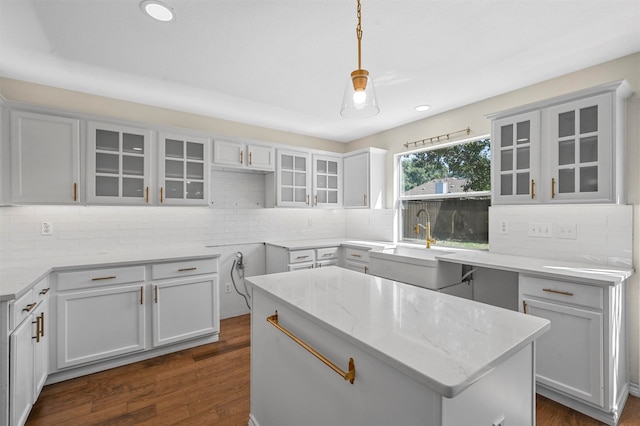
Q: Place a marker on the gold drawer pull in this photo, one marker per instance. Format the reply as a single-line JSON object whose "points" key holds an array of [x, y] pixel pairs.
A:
{"points": [[29, 307], [113, 277], [44, 291], [187, 269], [566, 293], [327, 255], [37, 323], [356, 255], [524, 307], [347, 375], [301, 257]]}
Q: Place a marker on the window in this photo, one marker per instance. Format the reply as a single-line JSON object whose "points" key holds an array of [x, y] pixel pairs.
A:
{"points": [[449, 186]]}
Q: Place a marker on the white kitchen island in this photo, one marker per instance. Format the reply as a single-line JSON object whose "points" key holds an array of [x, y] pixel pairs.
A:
{"points": [[420, 357]]}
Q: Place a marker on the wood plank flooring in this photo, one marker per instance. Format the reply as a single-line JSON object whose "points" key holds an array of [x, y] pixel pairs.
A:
{"points": [[208, 385]]}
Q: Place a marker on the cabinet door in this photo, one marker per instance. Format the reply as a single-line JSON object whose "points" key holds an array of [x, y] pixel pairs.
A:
{"points": [[516, 153], [41, 347], [261, 157], [21, 372], [45, 158], [569, 357], [228, 153], [356, 180], [97, 324], [118, 164], [184, 309], [327, 181], [580, 145], [294, 179], [183, 170]]}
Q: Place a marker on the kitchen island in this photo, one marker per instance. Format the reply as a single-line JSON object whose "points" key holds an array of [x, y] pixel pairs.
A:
{"points": [[406, 355]]}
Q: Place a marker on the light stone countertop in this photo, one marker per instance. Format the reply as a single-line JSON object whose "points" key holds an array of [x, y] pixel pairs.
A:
{"points": [[330, 242], [445, 342], [554, 269], [17, 276]]}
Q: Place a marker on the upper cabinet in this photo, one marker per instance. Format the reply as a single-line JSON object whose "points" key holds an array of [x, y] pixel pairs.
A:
{"points": [[183, 170], [567, 149], [365, 179], [243, 155], [45, 158], [327, 181], [118, 164], [293, 179]]}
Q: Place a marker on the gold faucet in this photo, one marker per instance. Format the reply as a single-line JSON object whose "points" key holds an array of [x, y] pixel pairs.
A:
{"points": [[426, 227]]}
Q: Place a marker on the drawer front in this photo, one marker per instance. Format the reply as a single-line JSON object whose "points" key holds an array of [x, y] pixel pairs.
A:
{"points": [[356, 255], [298, 256], [562, 291], [184, 268], [99, 277], [327, 253], [298, 266], [324, 263], [41, 289], [22, 308]]}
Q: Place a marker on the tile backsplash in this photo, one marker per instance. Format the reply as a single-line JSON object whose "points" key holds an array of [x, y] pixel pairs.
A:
{"points": [[600, 234]]}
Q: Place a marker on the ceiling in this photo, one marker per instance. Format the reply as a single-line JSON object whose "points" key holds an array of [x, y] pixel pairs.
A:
{"points": [[283, 64]]}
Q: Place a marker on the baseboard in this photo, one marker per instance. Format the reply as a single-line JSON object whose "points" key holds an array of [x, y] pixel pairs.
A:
{"points": [[634, 389]]}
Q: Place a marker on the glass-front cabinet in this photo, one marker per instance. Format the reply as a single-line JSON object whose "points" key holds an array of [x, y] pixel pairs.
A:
{"points": [[118, 164], [183, 170], [516, 144], [579, 135], [327, 181], [293, 179]]}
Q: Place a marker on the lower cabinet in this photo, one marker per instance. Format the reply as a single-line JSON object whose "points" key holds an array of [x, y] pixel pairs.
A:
{"points": [[356, 259], [281, 259]]}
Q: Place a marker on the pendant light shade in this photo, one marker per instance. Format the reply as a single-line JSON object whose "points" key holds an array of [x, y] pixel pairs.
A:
{"points": [[359, 100]]}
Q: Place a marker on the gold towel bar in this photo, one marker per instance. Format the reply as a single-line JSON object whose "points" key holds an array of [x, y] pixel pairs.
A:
{"points": [[347, 375]]}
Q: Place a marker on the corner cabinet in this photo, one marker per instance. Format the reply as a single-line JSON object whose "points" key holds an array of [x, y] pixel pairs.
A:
{"points": [[45, 158], [582, 361], [118, 164], [365, 179], [183, 170], [568, 149]]}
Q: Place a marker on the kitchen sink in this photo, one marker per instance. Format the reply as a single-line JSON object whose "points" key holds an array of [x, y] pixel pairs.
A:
{"points": [[417, 266]]}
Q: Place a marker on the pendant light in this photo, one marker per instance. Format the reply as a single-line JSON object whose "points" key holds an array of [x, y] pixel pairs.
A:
{"points": [[359, 100]]}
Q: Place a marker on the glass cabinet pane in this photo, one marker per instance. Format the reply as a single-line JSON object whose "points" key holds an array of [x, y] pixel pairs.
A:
{"points": [[132, 165], [322, 197], [173, 148], [107, 186], [107, 140], [522, 183], [107, 163], [523, 130], [566, 181], [589, 179], [301, 179], [321, 166], [332, 167], [506, 160], [195, 151], [300, 195], [506, 184], [174, 189], [589, 149], [195, 190], [506, 135], [287, 162], [332, 182], [321, 181], [287, 194], [132, 187], [132, 143], [174, 169], [301, 164], [522, 158], [287, 178], [566, 124], [566, 152], [589, 119], [195, 171]]}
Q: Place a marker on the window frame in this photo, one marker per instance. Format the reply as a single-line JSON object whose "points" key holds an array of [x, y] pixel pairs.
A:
{"points": [[398, 181]]}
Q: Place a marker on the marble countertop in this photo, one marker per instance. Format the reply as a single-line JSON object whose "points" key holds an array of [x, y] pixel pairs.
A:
{"points": [[555, 269], [17, 276], [445, 342], [330, 242]]}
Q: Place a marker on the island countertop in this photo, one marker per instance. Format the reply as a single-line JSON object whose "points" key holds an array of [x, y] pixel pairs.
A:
{"points": [[445, 342]]}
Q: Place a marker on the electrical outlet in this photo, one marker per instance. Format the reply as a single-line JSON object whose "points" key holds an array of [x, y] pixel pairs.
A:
{"points": [[504, 227], [541, 230], [567, 231], [227, 288], [46, 228]]}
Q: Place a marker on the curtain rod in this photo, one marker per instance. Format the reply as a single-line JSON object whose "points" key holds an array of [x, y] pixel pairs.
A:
{"points": [[436, 138]]}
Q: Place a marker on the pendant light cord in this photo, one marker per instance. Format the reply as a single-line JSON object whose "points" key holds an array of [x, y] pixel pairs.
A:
{"points": [[359, 34]]}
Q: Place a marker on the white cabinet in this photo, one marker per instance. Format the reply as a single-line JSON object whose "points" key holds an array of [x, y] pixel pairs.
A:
{"points": [[327, 181], [183, 170], [581, 362], [562, 150], [185, 301], [356, 259], [29, 351], [365, 179], [243, 155], [293, 179], [118, 164], [45, 158], [281, 259]]}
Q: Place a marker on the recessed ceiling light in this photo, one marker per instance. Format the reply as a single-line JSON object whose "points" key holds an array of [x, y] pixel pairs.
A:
{"points": [[421, 108], [157, 10]]}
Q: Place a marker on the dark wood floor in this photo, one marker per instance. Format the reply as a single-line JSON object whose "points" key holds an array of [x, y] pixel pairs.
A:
{"points": [[208, 385]]}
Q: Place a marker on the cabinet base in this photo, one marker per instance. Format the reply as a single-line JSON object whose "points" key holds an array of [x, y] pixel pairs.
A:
{"points": [[72, 373], [610, 418]]}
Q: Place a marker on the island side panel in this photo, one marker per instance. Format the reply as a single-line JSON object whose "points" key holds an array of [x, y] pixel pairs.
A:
{"points": [[289, 386]]}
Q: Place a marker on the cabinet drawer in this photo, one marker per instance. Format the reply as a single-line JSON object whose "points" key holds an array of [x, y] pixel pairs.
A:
{"points": [[327, 253], [41, 289], [357, 255], [184, 268], [298, 256], [562, 291], [99, 277], [22, 307], [297, 266]]}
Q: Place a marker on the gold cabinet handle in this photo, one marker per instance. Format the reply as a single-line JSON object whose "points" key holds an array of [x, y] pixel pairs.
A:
{"points": [[347, 375], [113, 277], [564, 293], [29, 307], [161, 196], [533, 189], [37, 323], [365, 200], [42, 324], [241, 157], [524, 307], [193, 268], [250, 158], [553, 187], [44, 291], [301, 257], [307, 199], [316, 198], [356, 255], [155, 294], [75, 191], [366, 269], [141, 297], [146, 195]]}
